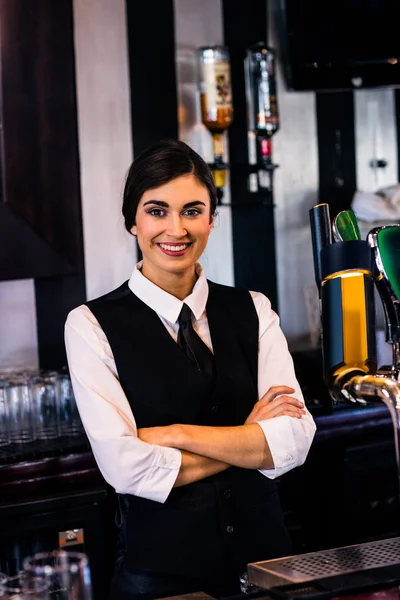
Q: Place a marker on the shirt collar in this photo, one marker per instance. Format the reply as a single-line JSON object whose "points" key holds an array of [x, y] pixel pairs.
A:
{"points": [[163, 303]]}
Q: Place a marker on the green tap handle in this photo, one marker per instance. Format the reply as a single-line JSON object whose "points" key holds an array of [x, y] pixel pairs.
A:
{"points": [[345, 227]]}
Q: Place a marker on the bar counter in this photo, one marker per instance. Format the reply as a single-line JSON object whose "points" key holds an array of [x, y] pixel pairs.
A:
{"points": [[40, 467], [344, 494]]}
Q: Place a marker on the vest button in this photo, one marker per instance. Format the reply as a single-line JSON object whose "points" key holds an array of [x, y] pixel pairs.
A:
{"points": [[215, 409], [227, 493], [229, 529]]}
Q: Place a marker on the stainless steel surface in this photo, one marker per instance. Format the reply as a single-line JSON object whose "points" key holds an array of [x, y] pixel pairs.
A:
{"points": [[327, 563]]}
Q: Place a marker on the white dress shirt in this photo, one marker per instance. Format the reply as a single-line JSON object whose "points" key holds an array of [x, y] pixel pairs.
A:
{"points": [[135, 467]]}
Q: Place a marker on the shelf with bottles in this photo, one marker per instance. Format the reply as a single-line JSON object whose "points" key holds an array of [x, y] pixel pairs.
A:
{"points": [[217, 115]]}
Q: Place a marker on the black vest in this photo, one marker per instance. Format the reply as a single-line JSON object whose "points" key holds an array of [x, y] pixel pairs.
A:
{"points": [[211, 528]]}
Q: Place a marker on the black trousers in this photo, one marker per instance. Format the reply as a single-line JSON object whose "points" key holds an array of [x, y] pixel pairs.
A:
{"points": [[144, 585]]}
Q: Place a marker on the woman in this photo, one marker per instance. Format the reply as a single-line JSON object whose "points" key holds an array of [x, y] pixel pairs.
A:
{"points": [[187, 393]]}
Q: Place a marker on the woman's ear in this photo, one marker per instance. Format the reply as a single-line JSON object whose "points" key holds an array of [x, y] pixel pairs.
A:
{"points": [[134, 230], [212, 220]]}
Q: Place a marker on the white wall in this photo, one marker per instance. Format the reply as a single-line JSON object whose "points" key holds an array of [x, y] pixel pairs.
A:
{"points": [[375, 132], [105, 141], [18, 333]]}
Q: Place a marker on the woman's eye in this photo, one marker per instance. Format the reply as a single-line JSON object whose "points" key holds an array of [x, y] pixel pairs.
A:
{"points": [[156, 212], [192, 212]]}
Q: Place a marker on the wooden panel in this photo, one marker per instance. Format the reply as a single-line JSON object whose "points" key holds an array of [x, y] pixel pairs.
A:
{"points": [[40, 221]]}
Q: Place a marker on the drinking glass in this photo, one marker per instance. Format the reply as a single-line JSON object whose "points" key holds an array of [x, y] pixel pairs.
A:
{"points": [[69, 419], [21, 587], [19, 409], [67, 574], [44, 407], [4, 438]]}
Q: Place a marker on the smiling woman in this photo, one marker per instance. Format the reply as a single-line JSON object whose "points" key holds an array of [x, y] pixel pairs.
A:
{"points": [[188, 395], [169, 204], [172, 232]]}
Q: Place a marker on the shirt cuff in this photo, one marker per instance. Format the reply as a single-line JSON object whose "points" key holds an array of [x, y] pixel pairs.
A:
{"points": [[162, 475], [279, 435]]}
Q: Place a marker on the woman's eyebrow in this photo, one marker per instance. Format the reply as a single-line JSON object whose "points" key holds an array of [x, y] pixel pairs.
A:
{"points": [[166, 205], [157, 203], [194, 203]]}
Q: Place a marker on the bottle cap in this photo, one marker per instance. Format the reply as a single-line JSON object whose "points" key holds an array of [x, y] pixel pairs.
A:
{"points": [[345, 256]]}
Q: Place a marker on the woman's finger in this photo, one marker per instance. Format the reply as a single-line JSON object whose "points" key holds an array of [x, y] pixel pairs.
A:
{"points": [[268, 412], [289, 412], [286, 400], [277, 390]]}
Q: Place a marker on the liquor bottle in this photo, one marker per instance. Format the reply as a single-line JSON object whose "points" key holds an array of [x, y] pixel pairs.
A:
{"points": [[263, 116], [262, 107], [216, 102]]}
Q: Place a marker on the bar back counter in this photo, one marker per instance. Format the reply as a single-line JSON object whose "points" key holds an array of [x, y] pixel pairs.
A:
{"points": [[53, 496]]}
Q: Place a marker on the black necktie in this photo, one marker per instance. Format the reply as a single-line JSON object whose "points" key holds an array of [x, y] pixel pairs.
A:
{"points": [[193, 345]]}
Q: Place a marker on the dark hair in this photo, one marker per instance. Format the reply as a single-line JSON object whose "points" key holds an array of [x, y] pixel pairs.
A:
{"points": [[158, 165]]}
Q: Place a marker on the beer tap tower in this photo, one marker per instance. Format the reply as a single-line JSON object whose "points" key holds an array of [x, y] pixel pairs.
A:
{"points": [[345, 275]]}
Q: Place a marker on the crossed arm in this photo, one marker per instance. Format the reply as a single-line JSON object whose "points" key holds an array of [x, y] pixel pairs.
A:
{"points": [[210, 450]]}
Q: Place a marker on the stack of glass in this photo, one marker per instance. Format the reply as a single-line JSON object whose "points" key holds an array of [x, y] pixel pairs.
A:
{"points": [[58, 575], [37, 405]]}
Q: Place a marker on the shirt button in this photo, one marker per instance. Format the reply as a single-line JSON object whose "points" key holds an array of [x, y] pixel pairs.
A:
{"points": [[227, 493], [215, 409], [229, 529]]}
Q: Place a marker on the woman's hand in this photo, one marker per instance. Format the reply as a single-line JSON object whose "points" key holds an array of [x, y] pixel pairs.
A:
{"points": [[275, 403], [161, 436]]}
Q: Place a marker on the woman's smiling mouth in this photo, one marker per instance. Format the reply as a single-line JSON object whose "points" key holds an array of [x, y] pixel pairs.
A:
{"points": [[174, 248]]}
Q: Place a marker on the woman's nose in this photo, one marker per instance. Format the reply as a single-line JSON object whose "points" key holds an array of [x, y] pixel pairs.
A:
{"points": [[176, 227]]}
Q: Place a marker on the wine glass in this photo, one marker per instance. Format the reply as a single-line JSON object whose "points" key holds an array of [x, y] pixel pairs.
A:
{"points": [[66, 573]]}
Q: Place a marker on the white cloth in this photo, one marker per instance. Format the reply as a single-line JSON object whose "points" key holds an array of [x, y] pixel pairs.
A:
{"points": [[135, 467], [383, 205]]}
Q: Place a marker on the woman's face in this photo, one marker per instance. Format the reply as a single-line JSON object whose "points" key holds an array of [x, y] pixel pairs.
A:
{"points": [[173, 224]]}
